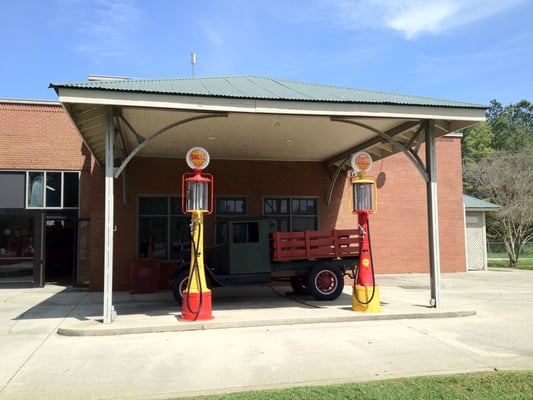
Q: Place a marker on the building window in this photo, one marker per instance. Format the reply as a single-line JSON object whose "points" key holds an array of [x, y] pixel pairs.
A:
{"points": [[291, 214], [52, 190], [163, 230], [229, 207]]}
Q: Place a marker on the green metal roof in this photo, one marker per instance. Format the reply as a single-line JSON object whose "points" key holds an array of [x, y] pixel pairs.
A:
{"points": [[478, 204], [253, 87]]}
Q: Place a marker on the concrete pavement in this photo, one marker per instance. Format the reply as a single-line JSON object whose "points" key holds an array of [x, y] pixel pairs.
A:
{"points": [[54, 345]]}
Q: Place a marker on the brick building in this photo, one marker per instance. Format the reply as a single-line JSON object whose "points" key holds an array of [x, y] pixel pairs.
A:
{"points": [[306, 169]]}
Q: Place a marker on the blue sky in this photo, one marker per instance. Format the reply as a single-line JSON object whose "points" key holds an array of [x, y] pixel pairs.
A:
{"points": [[464, 50]]}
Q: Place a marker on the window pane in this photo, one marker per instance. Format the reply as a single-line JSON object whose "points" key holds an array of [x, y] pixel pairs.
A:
{"points": [[279, 225], [231, 206], [304, 206], [240, 206], [276, 206], [175, 206], [16, 249], [153, 237], [71, 189], [180, 237], [53, 189], [153, 205], [35, 189], [247, 232], [12, 189], [303, 224]]}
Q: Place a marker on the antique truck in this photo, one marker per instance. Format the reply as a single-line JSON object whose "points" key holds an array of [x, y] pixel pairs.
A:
{"points": [[314, 262]]}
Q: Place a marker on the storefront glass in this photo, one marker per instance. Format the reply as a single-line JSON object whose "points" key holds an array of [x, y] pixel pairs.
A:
{"points": [[16, 248]]}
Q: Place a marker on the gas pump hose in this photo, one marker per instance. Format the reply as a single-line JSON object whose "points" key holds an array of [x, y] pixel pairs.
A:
{"points": [[196, 267]]}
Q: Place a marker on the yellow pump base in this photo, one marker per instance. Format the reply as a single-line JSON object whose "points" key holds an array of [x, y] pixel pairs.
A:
{"points": [[364, 293]]}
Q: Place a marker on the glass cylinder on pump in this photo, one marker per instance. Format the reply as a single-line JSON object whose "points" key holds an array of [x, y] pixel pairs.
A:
{"points": [[197, 198], [364, 198]]}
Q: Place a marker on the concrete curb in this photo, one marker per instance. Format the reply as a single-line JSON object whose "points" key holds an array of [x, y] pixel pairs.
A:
{"points": [[99, 329]]}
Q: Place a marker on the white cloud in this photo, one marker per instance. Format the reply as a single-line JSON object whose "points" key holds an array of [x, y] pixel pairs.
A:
{"points": [[102, 28], [412, 18], [428, 17]]}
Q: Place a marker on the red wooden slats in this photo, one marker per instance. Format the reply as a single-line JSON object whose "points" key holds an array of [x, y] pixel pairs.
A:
{"points": [[310, 245]]}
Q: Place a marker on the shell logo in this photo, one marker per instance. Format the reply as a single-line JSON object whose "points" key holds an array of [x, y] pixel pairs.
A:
{"points": [[197, 158], [366, 262], [361, 161]]}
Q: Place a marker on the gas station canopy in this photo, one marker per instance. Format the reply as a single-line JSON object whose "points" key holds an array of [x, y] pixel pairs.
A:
{"points": [[254, 118]]}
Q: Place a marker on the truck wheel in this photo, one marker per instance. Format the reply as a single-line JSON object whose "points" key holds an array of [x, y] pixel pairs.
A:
{"points": [[299, 284], [325, 283], [180, 285]]}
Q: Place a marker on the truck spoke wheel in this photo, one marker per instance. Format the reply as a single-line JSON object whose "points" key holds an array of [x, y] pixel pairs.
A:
{"points": [[299, 285], [180, 285], [325, 283]]}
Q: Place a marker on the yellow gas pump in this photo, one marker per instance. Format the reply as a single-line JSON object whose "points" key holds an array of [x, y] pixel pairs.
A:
{"points": [[197, 200], [365, 295]]}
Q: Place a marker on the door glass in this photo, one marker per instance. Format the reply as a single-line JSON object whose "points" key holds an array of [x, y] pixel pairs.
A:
{"points": [[16, 248]]}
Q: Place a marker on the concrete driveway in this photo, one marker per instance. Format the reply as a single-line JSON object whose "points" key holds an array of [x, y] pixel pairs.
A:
{"points": [[54, 347]]}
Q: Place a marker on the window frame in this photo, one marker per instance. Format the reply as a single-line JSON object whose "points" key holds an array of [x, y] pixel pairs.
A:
{"points": [[243, 213], [169, 217], [290, 214], [44, 205], [219, 234]]}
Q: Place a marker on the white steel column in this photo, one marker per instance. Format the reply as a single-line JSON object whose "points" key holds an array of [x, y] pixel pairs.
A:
{"points": [[433, 219], [109, 312]]}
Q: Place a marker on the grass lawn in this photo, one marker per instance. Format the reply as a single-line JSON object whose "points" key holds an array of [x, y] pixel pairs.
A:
{"points": [[523, 263], [517, 385]]}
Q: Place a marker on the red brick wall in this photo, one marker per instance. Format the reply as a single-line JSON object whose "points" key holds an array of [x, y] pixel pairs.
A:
{"points": [[39, 136], [399, 229], [152, 176], [400, 226]]}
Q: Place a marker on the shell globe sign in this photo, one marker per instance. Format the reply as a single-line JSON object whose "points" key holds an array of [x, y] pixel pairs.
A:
{"points": [[197, 158], [361, 162]]}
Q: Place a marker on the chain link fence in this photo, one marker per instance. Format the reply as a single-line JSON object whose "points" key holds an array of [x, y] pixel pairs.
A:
{"points": [[496, 250]]}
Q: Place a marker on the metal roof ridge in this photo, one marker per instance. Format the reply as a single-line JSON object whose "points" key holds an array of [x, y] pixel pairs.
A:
{"points": [[294, 87]]}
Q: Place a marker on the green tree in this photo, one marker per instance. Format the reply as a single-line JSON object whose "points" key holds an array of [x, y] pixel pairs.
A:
{"points": [[512, 125], [478, 142], [498, 167], [506, 178]]}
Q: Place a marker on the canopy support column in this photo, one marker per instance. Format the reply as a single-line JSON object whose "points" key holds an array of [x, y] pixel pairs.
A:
{"points": [[109, 312], [433, 219]]}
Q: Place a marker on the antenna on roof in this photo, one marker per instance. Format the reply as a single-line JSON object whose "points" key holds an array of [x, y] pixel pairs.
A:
{"points": [[194, 58]]}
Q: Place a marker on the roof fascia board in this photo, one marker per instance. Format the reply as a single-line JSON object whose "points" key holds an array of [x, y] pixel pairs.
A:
{"points": [[205, 103], [482, 209]]}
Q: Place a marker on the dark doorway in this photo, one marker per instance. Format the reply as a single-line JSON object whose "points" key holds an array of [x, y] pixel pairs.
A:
{"points": [[60, 248]]}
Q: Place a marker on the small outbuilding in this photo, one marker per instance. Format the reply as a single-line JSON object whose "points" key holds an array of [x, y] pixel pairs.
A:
{"points": [[476, 232]]}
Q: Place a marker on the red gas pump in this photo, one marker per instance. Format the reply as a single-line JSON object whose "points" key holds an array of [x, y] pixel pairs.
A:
{"points": [[197, 200], [365, 295]]}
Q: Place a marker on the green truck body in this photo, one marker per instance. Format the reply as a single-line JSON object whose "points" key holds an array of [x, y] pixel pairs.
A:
{"points": [[314, 262]]}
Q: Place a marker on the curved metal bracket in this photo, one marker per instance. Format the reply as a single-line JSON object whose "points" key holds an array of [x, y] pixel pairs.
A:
{"points": [[333, 180], [145, 142], [407, 151]]}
